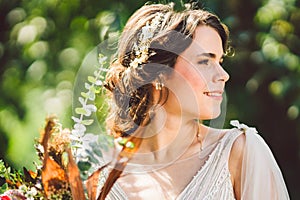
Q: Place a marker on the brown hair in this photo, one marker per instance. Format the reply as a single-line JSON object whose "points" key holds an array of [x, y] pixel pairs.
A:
{"points": [[132, 88]]}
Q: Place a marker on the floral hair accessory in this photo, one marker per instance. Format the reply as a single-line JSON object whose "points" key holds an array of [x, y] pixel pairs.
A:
{"points": [[142, 48]]}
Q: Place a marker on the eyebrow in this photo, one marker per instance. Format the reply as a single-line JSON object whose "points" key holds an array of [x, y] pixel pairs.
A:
{"points": [[210, 55]]}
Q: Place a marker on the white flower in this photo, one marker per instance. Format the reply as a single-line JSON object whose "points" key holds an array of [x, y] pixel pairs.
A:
{"points": [[147, 33], [143, 58], [31, 193], [135, 47], [157, 20], [23, 188], [38, 185], [40, 148], [134, 63]]}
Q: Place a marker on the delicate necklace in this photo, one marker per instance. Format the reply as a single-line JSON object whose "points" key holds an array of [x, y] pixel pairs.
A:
{"points": [[200, 139]]}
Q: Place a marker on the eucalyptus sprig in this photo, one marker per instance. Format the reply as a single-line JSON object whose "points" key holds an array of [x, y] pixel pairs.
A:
{"points": [[85, 146]]}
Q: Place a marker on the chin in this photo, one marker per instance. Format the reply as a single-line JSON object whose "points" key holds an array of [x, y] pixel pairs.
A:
{"points": [[210, 116]]}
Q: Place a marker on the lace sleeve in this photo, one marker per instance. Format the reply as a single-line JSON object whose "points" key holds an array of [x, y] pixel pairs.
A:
{"points": [[261, 176]]}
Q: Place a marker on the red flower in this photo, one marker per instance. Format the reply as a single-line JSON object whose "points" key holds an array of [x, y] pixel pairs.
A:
{"points": [[5, 197]]}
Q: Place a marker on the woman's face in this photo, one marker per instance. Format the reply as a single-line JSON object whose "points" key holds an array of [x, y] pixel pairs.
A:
{"points": [[198, 81]]}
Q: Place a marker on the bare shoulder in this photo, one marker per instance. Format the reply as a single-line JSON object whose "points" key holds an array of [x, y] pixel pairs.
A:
{"points": [[238, 146], [235, 163]]}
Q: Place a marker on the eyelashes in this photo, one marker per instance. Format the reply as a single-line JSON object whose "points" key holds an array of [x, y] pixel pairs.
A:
{"points": [[203, 62], [206, 62]]}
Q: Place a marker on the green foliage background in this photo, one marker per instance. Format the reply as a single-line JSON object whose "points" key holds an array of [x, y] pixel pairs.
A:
{"points": [[43, 42]]}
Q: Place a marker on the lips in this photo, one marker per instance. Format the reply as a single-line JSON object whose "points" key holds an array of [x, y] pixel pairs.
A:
{"points": [[214, 94]]}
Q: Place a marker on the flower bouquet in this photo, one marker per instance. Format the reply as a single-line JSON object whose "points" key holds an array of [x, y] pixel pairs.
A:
{"points": [[58, 175]]}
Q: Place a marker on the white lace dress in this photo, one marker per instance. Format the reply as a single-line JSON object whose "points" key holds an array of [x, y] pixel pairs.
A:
{"points": [[261, 176]]}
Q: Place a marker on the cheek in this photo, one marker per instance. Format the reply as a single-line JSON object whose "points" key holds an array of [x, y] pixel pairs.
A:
{"points": [[193, 77]]}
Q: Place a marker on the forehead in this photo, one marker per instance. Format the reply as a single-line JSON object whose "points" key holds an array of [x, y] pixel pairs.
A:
{"points": [[206, 40]]}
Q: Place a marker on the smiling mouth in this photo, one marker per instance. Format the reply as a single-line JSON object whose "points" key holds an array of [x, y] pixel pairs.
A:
{"points": [[214, 94]]}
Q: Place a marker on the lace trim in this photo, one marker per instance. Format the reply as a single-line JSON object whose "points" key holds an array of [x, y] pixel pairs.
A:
{"points": [[195, 186], [222, 176]]}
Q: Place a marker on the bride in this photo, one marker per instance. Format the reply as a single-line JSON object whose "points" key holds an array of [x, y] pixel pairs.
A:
{"points": [[167, 79]]}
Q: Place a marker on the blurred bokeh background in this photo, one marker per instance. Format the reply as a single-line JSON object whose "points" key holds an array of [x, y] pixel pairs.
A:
{"points": [[42, 45]]}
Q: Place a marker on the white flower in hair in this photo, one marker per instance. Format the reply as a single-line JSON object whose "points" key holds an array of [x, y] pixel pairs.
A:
{"points": [[135, 63], [147, 32], [141, 49]]}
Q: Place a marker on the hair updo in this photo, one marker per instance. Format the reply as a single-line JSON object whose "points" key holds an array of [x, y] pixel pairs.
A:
{"points": [[132, 89]]}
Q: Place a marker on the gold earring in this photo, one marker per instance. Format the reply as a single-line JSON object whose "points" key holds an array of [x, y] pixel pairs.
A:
{"points": [[159, 85]]}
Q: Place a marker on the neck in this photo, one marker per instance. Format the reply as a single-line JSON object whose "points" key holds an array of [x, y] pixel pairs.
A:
{"points": [[168, 137]]}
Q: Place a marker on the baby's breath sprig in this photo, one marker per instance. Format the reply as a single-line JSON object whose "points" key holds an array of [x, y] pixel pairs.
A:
{"points": [[85, 146], [142, 48]]}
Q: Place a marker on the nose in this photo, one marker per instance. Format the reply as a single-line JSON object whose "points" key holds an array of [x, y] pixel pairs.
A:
{"points": [[221, 74]]}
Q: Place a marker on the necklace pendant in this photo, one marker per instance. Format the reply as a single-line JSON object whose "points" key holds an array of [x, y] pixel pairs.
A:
{"points": [[201, 146]]}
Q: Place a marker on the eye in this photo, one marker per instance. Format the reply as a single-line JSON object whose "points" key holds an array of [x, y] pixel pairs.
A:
{"points": [[203, 62]]}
